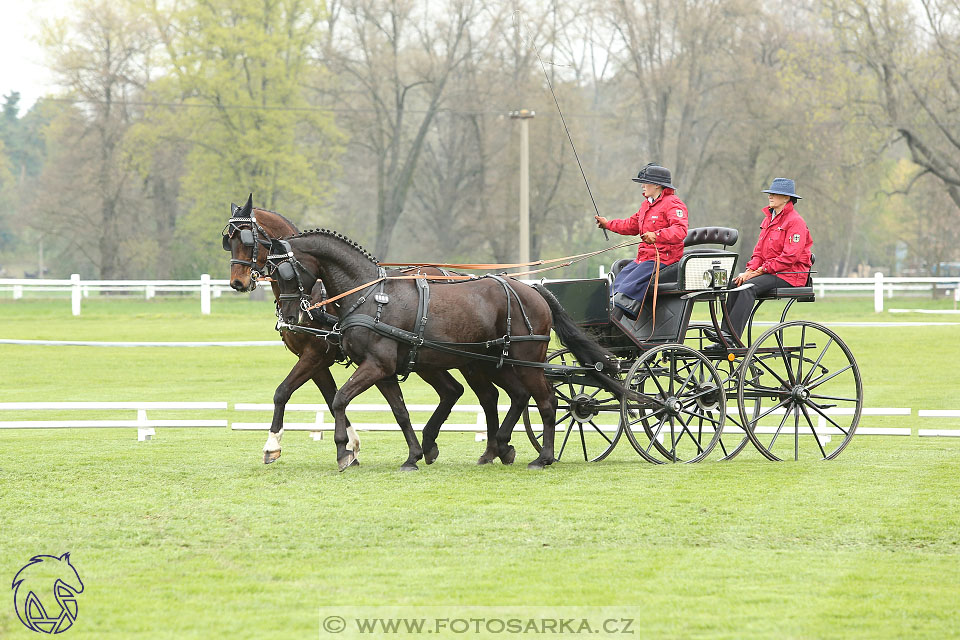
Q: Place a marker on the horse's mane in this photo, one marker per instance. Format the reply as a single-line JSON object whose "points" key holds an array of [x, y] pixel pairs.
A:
{"points": [[281, 216], [342, 238]]}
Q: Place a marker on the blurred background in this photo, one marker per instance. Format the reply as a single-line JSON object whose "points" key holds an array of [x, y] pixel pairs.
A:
{"points": [[129, 126]]}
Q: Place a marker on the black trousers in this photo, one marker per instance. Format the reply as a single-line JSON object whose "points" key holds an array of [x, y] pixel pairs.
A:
{"points": [[740, 303]]}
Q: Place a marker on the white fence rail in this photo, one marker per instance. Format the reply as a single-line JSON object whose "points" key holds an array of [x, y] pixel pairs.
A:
{"points": [[880, 285], [322, 421], [144, 425], [80, 289]]}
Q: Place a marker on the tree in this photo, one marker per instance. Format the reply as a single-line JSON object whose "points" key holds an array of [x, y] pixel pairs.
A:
{"points": [[239, 74], [101, 59], [394, 59], [915, 65]]}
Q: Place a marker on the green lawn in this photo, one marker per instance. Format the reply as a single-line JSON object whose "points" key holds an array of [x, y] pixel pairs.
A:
{"points": [[190, 536]]}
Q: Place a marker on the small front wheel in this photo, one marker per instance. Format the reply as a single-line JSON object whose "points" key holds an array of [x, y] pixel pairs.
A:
{"points": [[588, 416], [679, 409]]}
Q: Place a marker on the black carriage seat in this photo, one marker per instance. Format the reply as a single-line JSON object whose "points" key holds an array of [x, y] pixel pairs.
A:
{"points": [[701, 235], [671, 275], [800, 294]]}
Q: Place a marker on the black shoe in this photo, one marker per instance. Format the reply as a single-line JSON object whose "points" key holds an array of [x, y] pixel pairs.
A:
{"points": [[711, 335], [716, 347]]}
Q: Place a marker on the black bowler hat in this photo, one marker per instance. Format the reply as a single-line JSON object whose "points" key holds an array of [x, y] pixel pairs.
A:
{"points": [[655, 174]]}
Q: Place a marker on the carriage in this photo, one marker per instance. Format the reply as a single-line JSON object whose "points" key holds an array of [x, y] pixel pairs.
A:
{"points": [[793, 392]]}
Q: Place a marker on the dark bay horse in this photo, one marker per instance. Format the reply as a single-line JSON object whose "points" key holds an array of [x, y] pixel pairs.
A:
{"points": [[476, 316], [247, 235]]}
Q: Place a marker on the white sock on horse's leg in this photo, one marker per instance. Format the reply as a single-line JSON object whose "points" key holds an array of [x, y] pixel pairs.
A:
{"points": [[353, 440], [273, 441]]}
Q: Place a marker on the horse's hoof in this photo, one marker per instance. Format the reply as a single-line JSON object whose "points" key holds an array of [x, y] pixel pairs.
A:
{"points": [[409, 467], [349, 460], [270, 456], [539, 464], [484, 460], [509, 456], [431, 456]]}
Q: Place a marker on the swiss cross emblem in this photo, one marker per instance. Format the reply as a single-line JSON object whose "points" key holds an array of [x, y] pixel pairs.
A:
{"points": [[679, 213], [796, 237]]}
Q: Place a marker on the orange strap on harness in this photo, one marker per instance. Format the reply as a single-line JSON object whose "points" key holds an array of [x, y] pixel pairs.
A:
{"points": [[563, 262]]}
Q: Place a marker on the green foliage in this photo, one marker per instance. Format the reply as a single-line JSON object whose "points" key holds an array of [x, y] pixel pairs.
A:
{"points": [[239, 74]]}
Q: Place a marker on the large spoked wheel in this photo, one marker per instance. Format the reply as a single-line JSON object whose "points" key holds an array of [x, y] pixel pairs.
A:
{"points": [[800, 394], [588, 416], [681, 416], [734, 438]]}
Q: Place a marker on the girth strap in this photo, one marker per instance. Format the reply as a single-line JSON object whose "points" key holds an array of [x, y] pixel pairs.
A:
{"points": [[419, 326]]}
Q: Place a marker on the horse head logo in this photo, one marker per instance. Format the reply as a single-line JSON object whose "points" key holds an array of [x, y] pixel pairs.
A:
{"points": [[45, 592]]}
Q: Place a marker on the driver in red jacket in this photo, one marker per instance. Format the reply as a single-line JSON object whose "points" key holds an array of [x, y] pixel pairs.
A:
{"points": [[661, 224]]}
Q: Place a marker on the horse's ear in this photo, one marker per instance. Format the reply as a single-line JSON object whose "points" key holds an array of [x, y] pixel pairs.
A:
{"points": [[233, 209], [276, 247], [248, 207]]}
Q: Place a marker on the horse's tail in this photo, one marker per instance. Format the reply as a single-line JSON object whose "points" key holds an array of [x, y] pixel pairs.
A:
{"points": [[605, 365]]}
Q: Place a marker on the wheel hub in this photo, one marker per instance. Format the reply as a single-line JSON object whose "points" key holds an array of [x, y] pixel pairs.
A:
{"points": [[800, 393], [583, 408], [709, 400], [673, 406]]}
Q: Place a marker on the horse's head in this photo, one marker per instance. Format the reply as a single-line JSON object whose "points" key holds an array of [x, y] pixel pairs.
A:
{"points": [[294, 281], [247, 241]]}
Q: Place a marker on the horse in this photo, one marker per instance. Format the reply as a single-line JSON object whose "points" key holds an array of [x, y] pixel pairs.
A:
{"points": [[420, 325], [247, 235]]}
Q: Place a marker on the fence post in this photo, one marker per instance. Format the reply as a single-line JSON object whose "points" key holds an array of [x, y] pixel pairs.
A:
{"points": [[878, 292], [151, 291], [75, 293], [17, 291], [205, 294]]}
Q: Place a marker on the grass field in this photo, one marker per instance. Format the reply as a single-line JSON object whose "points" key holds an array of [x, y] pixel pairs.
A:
{"points": [[190, 536]]}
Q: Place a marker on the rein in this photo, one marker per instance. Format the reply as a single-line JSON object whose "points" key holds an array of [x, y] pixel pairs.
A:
{"points": [[563, 262], [511, 265]]}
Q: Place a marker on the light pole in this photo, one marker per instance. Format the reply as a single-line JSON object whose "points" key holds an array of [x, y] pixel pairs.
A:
{"points": [[523, 115]]}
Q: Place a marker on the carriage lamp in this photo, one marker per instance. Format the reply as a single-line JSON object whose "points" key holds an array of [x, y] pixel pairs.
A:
{"points": [[715, 277]]}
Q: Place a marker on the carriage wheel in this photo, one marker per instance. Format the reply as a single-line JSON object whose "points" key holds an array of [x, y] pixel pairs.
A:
{"points": [[734, 438], [807, 385], [588, 416], [685, 419]]}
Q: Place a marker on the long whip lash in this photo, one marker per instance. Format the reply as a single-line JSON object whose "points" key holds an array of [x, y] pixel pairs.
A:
{"points": [[576, 156]]}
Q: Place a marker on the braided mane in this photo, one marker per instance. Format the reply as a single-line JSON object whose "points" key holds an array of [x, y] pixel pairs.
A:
{"points": [[342, 238], [281, 216]]}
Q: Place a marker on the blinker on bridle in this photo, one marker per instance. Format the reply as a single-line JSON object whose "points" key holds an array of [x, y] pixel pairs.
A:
{"points": [[287, 268], [251, 237]]}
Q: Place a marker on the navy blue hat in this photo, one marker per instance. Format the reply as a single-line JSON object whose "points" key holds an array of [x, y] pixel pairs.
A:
{"points": [[783, 187], [655, 174]]}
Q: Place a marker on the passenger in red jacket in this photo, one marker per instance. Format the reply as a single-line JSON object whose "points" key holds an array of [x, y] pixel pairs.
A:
{"points": [[662, 225], [780, 259]]}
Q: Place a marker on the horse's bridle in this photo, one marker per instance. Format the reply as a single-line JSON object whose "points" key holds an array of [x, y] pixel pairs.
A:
{"points": [[286, 267], [253, 238]]}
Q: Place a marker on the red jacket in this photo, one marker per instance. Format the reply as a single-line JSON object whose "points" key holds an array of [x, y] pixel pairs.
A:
{"points": [[667, 217], [784, 246]]}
